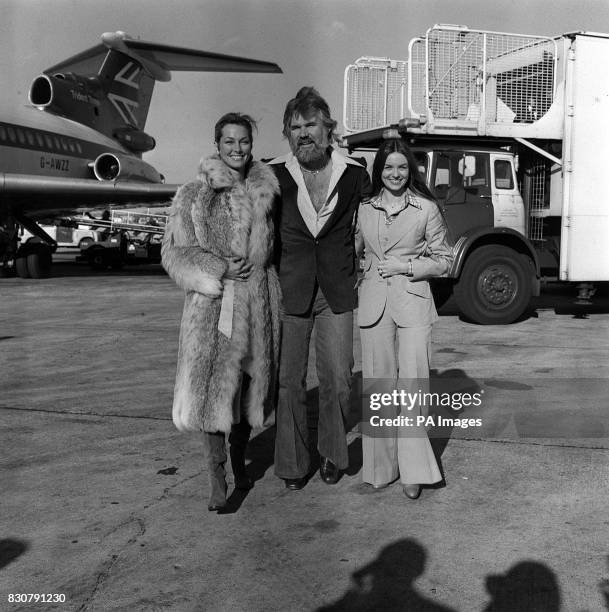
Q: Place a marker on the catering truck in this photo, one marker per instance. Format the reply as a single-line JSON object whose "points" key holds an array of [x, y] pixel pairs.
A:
{"points": [[512, 135]]}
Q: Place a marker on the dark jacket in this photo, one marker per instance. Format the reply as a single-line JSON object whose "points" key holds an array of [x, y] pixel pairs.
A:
{"points": [[328, 259]]}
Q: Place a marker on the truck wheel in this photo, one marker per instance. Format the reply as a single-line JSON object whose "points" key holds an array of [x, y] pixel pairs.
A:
{"points": [[39, 262], [21, 267], [98, 259], [495, 285]]}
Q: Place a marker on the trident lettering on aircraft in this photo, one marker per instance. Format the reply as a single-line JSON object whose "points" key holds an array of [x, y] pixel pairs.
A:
{"points": [[126, 106]]}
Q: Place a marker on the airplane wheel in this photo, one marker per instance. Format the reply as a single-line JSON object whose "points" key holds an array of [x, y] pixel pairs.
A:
{"points": [[21, 267], [6, 271], [39, 263]]}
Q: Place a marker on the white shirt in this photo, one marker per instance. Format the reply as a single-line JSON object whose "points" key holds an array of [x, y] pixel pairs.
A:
{"points": [[313, 219]]}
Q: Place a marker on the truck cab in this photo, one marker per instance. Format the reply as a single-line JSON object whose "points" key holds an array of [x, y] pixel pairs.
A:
{"points": [[474, 187], [495, 269]]}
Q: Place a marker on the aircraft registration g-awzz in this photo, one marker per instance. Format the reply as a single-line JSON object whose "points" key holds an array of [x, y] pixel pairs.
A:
{"points": [[85, 149]]}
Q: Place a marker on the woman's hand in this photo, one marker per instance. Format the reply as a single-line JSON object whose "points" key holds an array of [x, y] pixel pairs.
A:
{"points": [[238, 269], [391, 266]]}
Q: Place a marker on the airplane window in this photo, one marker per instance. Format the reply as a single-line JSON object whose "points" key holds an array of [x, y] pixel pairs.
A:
{"points": [[21, 136], [40, 139], [71, 146], [64, 144], [11, 134], [57, 144], [49, 141], [78, 147], [2, 133], [30, 138]]}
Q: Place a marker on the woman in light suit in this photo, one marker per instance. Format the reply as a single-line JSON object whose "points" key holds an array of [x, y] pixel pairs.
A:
{"points": [[405, 241]]}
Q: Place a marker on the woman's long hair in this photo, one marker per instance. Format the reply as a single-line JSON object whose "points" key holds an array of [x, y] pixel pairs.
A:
{"points": [[416, 183]]}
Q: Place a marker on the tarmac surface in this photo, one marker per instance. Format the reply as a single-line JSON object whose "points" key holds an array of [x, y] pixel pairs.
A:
{"points": [[105, 503]]}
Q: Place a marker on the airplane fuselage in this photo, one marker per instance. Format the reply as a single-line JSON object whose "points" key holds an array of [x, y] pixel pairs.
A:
{"points": [[36, 143], [54, 154]]}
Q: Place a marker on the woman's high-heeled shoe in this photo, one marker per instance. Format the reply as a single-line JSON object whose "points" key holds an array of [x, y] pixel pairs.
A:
{"points": [[412, 491]]}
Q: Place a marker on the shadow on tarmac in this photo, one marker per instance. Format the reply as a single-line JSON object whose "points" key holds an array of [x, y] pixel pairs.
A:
{"points": [[11, 549], [528, 586], [387, 584]]}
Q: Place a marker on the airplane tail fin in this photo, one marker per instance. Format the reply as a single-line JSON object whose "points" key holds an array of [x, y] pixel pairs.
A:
{"points": [[114, 98], [128, 91]]}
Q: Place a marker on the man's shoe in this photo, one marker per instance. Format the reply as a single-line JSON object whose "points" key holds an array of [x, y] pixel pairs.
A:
{"points": [[216, 507], [295, 484], [412, 491], [328, 471]]}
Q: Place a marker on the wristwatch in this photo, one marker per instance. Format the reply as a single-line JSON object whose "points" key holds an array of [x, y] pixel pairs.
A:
{"points": [[409, 271]]}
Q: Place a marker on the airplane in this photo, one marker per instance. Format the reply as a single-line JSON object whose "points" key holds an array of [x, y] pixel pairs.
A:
{"points": [[79, 145]]}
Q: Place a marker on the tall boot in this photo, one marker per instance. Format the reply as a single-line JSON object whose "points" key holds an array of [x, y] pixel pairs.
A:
{"points": [[237, 439], [214, 447]]}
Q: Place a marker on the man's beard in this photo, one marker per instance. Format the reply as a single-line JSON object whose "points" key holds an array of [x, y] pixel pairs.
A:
{"points": [[311, 155]]}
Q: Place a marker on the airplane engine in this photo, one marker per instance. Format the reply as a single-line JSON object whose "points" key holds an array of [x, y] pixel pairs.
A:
{"points": [[135, 140], [67, 94], [113, 167]]}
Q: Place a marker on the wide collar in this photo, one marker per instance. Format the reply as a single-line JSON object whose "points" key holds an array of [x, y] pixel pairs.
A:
{"points": [[317, 223], [372, 216], [409, 197]]}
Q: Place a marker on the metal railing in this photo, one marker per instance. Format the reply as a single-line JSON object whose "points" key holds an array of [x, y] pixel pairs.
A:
{"points": [[470, 77]]}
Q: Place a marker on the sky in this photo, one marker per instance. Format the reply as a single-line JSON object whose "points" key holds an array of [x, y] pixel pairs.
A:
{"points": [[312, 40]]}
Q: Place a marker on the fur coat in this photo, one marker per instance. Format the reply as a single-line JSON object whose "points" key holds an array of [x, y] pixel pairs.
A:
{"points": [[212, 218]]}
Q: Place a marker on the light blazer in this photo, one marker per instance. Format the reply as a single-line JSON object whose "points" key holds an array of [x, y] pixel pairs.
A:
{"points": [[417, 233]]}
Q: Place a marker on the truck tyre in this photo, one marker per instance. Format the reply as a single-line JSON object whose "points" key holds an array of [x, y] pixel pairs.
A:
{"points": [[39, 262], [495, 285], [97, 258], [21, 266]]}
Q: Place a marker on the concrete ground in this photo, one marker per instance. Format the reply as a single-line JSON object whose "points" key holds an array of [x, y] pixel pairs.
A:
{"points": [[103, 501]]}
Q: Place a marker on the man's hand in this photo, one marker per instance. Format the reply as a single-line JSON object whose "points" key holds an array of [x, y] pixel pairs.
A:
{"points": [[239, 269], [392, 266]]}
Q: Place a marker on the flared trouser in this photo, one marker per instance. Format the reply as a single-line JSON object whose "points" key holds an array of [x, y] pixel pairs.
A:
{"points": [[387, 457], [334, 351]]}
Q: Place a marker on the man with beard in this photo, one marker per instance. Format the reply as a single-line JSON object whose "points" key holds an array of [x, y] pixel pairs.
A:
{"points": [[315, 224]]}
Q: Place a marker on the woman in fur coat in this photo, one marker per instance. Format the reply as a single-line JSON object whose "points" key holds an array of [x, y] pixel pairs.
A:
{"points": [[217, 247]]}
